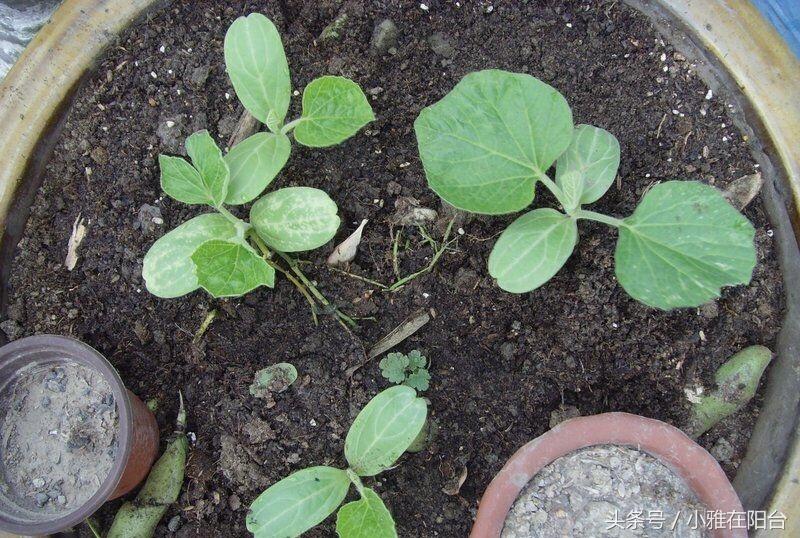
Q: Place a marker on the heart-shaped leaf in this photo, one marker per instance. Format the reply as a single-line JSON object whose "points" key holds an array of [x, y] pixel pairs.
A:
{"points": [[484, 145], [298, 502], [588, 168], [207, 159], [293, 219], [367, 517], [258, 69], [254, 162], [230, 268], [384, 429], [168, 269], [532, 249], [682, 244], [334, 109]]}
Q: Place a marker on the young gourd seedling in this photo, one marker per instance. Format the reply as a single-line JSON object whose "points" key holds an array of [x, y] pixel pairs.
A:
{"points": [[217, 251], [487, 144], [381, 432]]}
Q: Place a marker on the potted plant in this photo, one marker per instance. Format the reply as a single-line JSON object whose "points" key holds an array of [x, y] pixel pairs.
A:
{"points": [[590, 336]]}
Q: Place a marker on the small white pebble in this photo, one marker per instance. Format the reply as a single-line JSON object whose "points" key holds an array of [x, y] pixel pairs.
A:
{"points": [[179, 91], [663, 57], [169, 71], [461, 231], [375, 201], [227, 96], [666, 68], [614, 325], [647, 175], [724, 138], [489, 9], [709, 94], [770, 233], [312, 422], [153, 74], [170, 123], [423, 7], [569, 25], [676, 112], [162, 48], [426, 295], [702, 336], [296, 93]]}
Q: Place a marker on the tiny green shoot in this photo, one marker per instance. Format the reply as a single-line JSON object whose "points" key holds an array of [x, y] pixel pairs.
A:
{"points": [[380, 434], [219, 252], [487, 144], [410, 370]]}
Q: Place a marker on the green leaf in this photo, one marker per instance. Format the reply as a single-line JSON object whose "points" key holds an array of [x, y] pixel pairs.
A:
{"points": [[334, 109], [419, 380], [532, 249], [682, 244], [258, 69], [254, 162], [416, 359], [589, 166], [384, 429], [230, 268], [393, 367], [484, 145], [293, 219], [298, 502], [181, 181], [168, 269], [365, 518], [207, 159]]}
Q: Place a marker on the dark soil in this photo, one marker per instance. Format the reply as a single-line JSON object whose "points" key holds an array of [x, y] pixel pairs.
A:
{"points": [[501, 363]]}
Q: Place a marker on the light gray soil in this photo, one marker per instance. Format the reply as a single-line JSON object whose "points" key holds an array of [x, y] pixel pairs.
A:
{"points": [[59, 437], [606, 490]]}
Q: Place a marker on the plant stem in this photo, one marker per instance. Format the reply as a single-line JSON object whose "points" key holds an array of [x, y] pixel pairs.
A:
{"points": [[300, 287], [552, 187], [343, 318], [356, 480], [599, 217], [358, 277], [241, 226], [291, 125], [437, 254], [204, 326]]}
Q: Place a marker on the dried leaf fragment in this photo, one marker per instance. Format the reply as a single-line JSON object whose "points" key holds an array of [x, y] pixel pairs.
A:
{"points": [[347, 249], [78, 233]]}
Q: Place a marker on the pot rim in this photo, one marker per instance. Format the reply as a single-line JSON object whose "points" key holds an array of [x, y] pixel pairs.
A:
{"points": [[50, 349], [666, 443]]}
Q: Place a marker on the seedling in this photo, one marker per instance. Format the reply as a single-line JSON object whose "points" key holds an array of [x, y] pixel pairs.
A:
{"points": [[410, 370], [139, 517], [381, 432], [487, 144], [737, 382], [219, 252]]}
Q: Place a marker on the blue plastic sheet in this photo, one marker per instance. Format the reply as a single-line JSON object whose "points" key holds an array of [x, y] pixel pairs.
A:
{"points": [[785, 17]]}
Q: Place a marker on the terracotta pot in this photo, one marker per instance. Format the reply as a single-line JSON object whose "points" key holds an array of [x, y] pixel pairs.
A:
{"points": [[666, 443], [137, 438]]}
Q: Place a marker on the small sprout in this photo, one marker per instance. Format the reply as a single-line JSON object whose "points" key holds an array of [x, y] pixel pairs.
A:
{"points": [[410, 370], [490, 142], [139, 518], [737, 381], [273, 379], [380, 434]]}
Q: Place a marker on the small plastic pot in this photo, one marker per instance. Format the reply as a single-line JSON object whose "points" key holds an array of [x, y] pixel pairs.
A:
{"points": [[666, 443], [137, 436]]}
